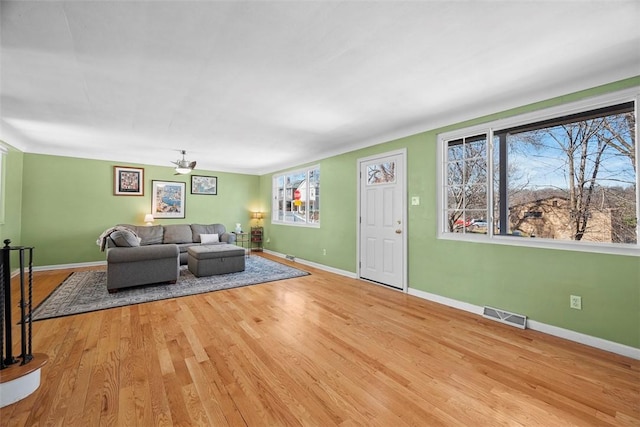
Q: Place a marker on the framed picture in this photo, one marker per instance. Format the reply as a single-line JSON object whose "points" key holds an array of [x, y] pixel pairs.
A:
{"points": [[167, 199], [128, 181], [204, 185]]}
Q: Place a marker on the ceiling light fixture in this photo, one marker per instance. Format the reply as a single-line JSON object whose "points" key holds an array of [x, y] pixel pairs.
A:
{"points": [[183, 166]]}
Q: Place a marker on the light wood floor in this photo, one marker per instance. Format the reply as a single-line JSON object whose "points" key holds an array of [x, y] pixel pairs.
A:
{"points": [[321, 350]]}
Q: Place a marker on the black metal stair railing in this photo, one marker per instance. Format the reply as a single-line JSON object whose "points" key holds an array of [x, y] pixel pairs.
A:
{"points": [[25, 304]]}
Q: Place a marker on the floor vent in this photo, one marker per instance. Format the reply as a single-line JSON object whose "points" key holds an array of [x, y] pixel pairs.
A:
{"points": [[290, 257], [517, 320]]}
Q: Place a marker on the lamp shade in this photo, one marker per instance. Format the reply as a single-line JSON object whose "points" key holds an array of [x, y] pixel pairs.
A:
{"points": [[148, 219], [256, 215]]}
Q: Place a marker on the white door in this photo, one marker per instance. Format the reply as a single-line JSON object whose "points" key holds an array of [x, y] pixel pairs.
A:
{"points": [[382, 237]]}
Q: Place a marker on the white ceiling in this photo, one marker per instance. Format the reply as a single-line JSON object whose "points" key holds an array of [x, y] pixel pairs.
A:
{"points": [[254, 87]]}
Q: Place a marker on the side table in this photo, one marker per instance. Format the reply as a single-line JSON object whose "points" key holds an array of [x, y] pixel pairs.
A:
{"points": [[242, 240], [256, 239]]}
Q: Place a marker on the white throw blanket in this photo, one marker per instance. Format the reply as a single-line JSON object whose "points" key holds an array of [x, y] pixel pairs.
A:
{"points": [[102, 240]]}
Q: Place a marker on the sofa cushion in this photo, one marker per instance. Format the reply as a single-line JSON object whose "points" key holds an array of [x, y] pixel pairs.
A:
{"points": [[133, 255], [207, 239], [125, 238], [178, 233], [198, 229], [150, 235]]}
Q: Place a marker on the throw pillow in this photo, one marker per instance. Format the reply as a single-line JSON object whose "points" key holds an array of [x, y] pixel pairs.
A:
{"points": [[125, 238], [198, 229], [209, 238]]}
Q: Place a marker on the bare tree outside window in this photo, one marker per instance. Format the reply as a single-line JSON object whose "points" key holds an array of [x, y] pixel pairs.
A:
{"points": [[564, 178], [381, 173], [586, 167], [466, 183]]}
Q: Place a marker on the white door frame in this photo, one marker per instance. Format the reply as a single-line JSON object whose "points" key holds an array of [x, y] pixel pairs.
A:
{"points": [[402, 153]]}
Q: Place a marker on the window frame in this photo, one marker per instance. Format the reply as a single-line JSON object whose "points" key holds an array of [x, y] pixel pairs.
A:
{"points": [[274, 196], [557, 111]]}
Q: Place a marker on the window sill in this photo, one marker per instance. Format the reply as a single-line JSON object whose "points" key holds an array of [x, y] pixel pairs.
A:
{"points": [[296, 224], [600, 248]]}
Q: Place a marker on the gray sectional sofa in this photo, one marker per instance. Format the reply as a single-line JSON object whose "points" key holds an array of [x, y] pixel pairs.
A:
{"points": [[153, 254]]}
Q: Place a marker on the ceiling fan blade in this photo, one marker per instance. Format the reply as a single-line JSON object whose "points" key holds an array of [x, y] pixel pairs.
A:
{"points": [[192, 165]]}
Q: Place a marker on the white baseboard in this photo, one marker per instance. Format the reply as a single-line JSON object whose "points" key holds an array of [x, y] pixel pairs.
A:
{"points": [[613, 347], [316, 265], [73, 265], [15, 272]]}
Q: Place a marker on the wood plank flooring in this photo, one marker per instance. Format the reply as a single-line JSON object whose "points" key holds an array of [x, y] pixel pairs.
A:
{"points": [[321, 350]]}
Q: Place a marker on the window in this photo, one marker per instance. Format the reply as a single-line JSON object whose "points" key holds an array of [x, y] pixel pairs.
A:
{"points": [[296, 197], [381, 173], [565, 176], [466, 183]]}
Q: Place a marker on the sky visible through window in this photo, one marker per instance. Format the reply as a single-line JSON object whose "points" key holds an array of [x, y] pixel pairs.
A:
{"points": [[540, 158], [566, 178], [577, 176]]}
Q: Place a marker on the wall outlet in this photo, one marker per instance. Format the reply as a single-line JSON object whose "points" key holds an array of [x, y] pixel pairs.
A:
{"points": [[324, 252], [575, 302], [415, 201]]}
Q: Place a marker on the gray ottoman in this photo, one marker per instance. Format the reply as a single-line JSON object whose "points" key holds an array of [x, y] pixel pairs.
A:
{"points": [[207, 260]]}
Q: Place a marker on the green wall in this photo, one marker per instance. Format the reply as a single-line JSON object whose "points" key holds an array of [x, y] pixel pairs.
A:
{"points": [[69, 202], [535, 282], [11, 221], [338, 218]]}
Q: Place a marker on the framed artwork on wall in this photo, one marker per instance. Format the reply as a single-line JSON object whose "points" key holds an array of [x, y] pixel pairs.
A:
{"points": [[128, 181], [167, 199], [204, 185]]}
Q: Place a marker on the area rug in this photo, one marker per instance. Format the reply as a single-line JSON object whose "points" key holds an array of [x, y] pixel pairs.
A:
{"points": [[86, 291]]}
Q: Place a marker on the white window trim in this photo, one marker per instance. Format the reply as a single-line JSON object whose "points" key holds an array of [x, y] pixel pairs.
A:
{"points": [[632, 94], [274, 211]]}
